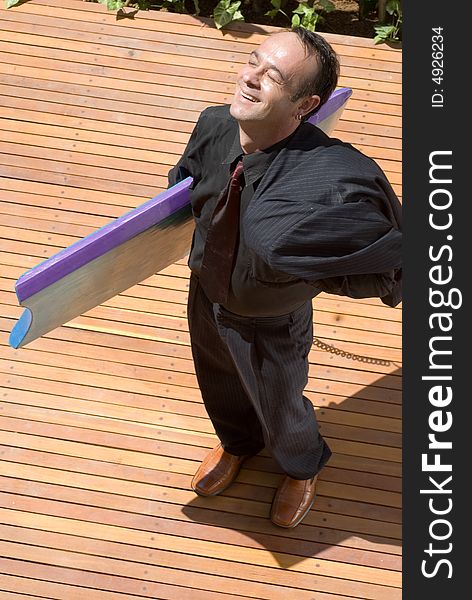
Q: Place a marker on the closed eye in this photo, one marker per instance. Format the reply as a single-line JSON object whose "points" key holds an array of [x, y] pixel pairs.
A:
{"points": [[274, 75]]}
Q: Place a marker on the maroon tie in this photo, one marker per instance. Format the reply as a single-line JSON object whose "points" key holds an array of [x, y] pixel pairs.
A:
{"points": [[222, 238]]}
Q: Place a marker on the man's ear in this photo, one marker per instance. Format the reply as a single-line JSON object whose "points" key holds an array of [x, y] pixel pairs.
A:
{"points": [[309, 103]]}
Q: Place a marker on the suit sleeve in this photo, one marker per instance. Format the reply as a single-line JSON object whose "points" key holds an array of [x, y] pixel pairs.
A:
{"points": [[344, 239], [347, 241]]}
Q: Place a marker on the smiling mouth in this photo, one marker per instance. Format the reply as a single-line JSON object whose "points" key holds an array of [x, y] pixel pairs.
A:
{"points": [[248, 97]]}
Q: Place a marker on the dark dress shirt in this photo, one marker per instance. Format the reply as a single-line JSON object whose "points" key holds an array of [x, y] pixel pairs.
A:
{"points": [[316, 215]]}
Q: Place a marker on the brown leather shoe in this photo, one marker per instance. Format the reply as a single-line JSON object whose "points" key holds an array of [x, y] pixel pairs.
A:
{"points": [[292, 501], [217, 472]]}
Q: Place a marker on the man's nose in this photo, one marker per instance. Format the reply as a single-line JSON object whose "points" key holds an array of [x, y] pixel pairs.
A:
{"points": [[251, 76]]}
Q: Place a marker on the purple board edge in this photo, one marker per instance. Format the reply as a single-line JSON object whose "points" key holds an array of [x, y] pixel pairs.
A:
{"points": [[335, 101], [103, 240]]}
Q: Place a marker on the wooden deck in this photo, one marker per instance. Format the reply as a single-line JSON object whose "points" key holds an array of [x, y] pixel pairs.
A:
{"points": [[101, 421]]}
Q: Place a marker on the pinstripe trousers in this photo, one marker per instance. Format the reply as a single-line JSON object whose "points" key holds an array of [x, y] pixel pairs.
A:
{"points": [[252, 372]]}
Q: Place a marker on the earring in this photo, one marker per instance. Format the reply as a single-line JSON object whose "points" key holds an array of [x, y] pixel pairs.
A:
{"points": [[299, 117]]}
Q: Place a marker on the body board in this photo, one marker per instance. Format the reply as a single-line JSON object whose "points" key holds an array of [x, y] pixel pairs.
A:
{"points": [[107, 262]]}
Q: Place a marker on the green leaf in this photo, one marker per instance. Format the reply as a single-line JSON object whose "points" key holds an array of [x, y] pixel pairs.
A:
{"points": [[393, 6], [197, 7], [385, 33], [327, 5], [296, 20], [384, 30], [301, 10], [115, 4], [10, 3], [226, 12], [310, 22]]}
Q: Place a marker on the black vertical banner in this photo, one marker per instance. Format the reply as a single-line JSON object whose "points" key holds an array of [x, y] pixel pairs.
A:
{"points": [[437, 322]]}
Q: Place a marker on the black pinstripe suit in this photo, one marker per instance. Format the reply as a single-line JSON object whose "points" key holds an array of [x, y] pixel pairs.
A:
{"points": [[316, 215]]}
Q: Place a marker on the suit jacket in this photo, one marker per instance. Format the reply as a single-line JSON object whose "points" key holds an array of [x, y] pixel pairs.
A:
{"points": [[326, 213], [318, 216]]}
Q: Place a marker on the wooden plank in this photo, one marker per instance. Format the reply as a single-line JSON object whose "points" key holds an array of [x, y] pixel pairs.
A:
{"points": [[336, 513], [140, 506], [90, 415], [92, 129], [338, 445], [58, 168], [112, 583], [139, 436], [78, 195], [62, 179], [391, 68], [52, 590], [23, 40], [58, 152], [160, 373], [70, 211], [327, 324], [153, 539], [72, 161], [154, 573], [14, 596], [327, 390], [192, 529], [322, 369], [144, 62], [86, 154], [104, 319], [25, 110], [242, 489], [51, 91], [24, 380], [159, 557]]}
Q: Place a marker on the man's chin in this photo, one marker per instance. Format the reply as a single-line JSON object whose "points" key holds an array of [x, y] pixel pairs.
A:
{"points": [[242, 113]]}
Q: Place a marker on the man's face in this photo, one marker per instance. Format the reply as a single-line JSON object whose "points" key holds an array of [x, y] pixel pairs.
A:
{"points": [[269, 79]]}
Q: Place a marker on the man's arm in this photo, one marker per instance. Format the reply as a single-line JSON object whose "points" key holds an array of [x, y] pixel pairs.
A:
{"points": [[343, 234]]}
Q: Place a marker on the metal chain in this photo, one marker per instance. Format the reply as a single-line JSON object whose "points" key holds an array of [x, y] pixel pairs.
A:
{"points": [[334, 350]]}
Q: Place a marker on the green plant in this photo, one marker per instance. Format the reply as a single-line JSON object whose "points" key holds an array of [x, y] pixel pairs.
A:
{"points": [[307, 14], [277, 4], [10, 3], [390, 32], [227, 11]]}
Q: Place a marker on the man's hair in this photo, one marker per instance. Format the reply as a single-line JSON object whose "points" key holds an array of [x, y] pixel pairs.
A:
{"points": [[324, 82]]}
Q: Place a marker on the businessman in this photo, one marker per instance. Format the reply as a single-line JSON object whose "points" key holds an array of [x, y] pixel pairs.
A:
{"points": [[281, 212]]}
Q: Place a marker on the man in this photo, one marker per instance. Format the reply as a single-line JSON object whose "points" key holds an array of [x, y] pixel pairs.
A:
{"points": [[312, 213]]}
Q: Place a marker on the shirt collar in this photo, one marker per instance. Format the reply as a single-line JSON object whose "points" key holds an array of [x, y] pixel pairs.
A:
{"points": [[256, 163]]}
